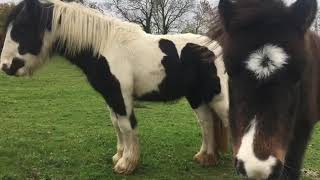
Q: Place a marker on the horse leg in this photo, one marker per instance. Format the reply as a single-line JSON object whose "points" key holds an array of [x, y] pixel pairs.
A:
{"points": [[207, 155], [220, 108], [120, 146], [129, 132], [131, 151]]}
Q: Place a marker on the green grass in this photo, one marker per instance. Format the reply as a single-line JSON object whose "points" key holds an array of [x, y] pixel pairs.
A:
{"points": [[54, 126]]}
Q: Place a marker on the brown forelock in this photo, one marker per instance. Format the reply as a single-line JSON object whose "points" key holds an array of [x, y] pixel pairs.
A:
{"points": [[247, 12]]}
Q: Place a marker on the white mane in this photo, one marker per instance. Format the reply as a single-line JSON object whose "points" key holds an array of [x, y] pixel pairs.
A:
{"points": [[79, 27]]}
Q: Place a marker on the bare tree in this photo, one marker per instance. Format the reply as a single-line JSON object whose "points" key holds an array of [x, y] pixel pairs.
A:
{"points": [[202, 18], [100, 6], [169, 13], [137, 11], [160, 16]]}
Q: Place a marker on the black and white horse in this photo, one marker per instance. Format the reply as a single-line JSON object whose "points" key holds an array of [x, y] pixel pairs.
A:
{"points": [[123, 64], [273, 62]]}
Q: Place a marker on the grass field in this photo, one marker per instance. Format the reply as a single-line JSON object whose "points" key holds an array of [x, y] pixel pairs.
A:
{"points": [[54, 126]]}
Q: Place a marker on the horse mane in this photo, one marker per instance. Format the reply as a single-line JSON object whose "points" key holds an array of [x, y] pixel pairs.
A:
{"points": [[216, 31], [79, 27]]}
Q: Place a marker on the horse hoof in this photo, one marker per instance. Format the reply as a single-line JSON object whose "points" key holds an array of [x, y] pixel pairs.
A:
{"points": [[125, 166], [116, 158], [205, 159]]}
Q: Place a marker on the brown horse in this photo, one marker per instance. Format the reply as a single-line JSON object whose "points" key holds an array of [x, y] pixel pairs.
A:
{"points": [[273, 61]]}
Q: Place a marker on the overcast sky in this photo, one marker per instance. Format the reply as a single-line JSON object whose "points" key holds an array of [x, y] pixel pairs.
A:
{"points": [[5, 1]]}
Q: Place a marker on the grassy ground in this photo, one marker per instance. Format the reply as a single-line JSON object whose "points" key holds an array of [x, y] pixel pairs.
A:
{"points": [[54, 126]]}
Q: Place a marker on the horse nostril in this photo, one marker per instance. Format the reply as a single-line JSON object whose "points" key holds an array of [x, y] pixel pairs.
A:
{"points": [[5, 67], [240, 167], [277, 170]]}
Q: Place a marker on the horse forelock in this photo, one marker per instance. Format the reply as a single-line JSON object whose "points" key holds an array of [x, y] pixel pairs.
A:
{"points": [[249, 12]]}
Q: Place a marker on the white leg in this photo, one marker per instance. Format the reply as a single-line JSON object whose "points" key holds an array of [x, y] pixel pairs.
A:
{"points": [[221, 107], [131, 152], [207, 155], [120, 146], [121, 69]]}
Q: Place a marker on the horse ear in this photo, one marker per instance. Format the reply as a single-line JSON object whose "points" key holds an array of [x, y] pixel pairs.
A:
{"points": [[226, 12], [304, 12]]}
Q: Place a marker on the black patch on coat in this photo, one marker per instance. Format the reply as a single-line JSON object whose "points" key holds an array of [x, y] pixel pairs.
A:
{"points": [[199, 62], [174, 84], [30, 20], [240, 168], [97, 71], [194, 75]]}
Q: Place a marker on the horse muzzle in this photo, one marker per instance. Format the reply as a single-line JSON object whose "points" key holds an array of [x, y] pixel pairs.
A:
{"points": [[257, 172], [12, 69]]}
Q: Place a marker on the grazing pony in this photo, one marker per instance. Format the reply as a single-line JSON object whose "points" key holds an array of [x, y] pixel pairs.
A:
{"points": [[123, 64], [273, 63]]}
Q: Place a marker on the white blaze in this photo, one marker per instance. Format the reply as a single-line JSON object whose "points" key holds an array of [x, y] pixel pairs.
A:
{"points": [[254, 167], [277, 58], [10, 49]]}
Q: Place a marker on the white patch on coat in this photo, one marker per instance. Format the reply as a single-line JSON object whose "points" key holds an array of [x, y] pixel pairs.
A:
{"points": [[288, 2], [254, 167], [10, 49], [277, 59]]}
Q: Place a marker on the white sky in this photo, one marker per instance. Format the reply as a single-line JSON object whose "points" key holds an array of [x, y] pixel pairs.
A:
{"points": [[6, 1]]}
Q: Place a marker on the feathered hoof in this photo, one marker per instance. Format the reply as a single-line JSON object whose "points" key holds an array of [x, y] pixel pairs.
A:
{"points": [[117, 157], [205, 159], [125, 166]]}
